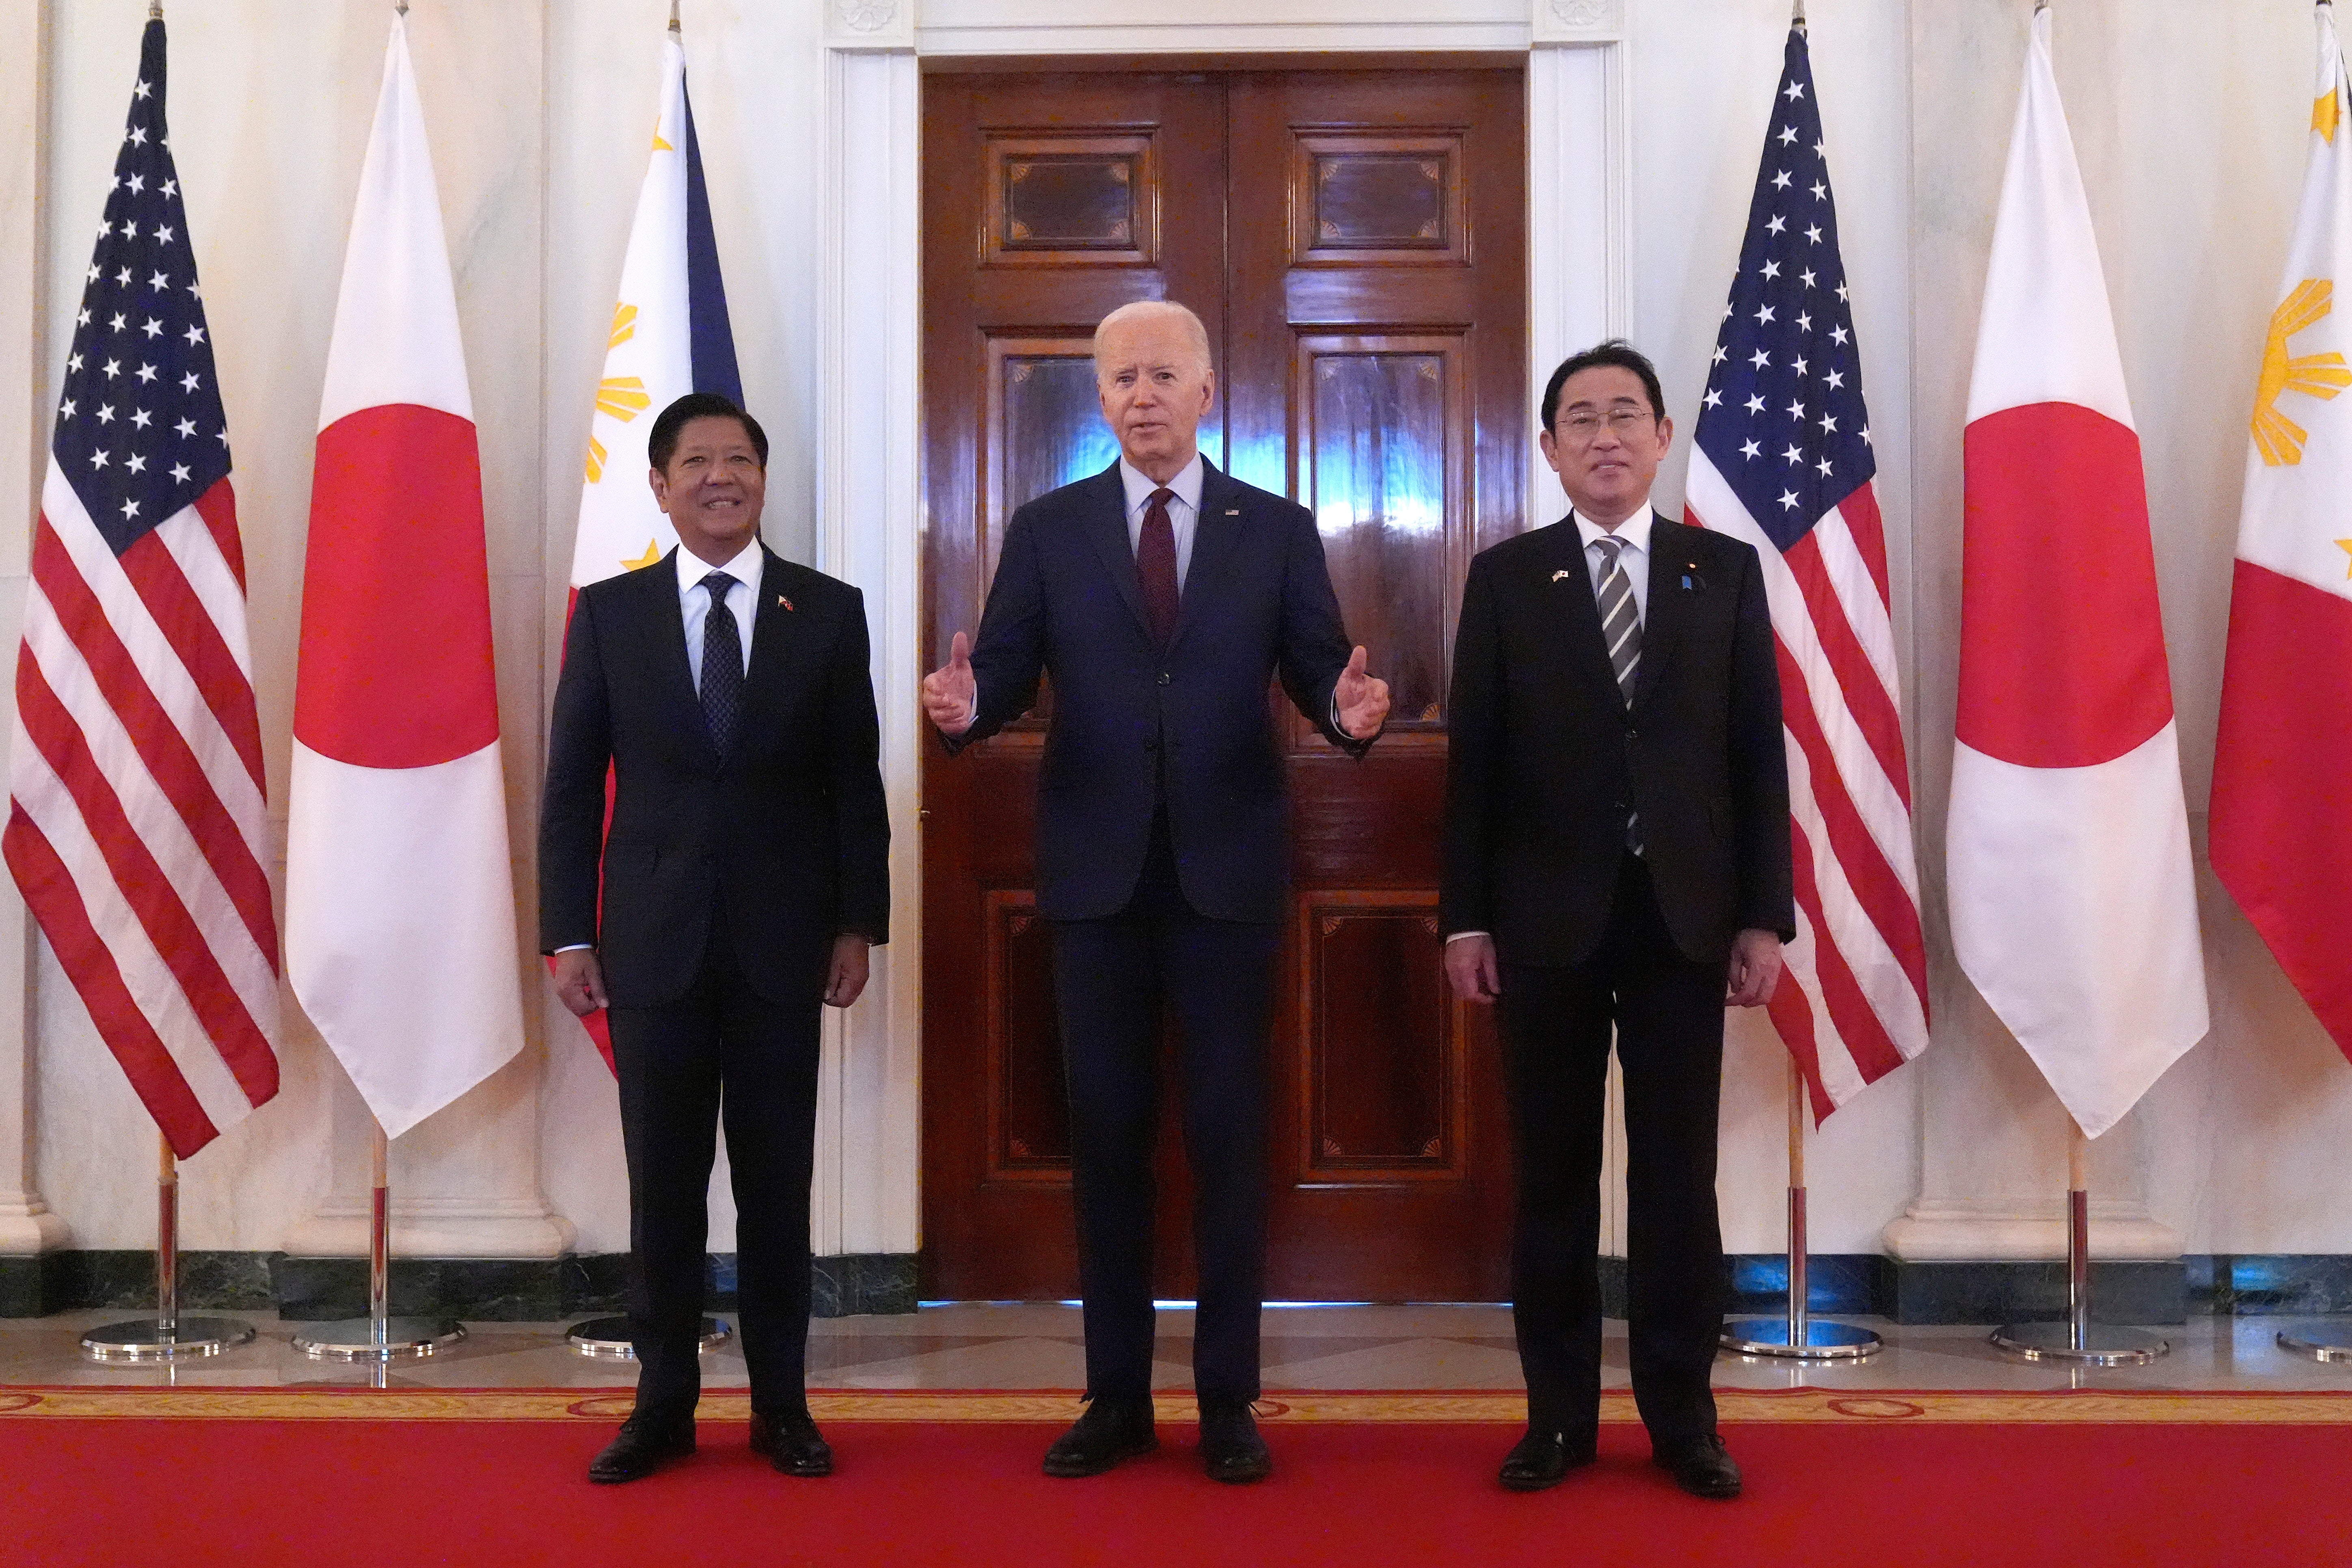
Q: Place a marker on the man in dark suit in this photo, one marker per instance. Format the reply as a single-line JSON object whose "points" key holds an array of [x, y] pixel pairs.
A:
{"points": [[744, 874], [1161, 597], [1616, 855]]}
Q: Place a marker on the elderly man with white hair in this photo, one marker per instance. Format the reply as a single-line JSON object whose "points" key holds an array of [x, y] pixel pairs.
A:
{"points": [[1160, 596]]}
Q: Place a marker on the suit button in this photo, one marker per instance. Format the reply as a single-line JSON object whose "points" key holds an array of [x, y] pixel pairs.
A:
{"points": [[1163, 678]]}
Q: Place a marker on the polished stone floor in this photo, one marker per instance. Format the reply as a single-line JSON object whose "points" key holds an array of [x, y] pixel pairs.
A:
{"points": [[998, 1345]]}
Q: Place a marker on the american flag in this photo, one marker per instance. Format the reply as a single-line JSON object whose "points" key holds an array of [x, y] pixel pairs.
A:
{"points": [[137, 811], [1783, 458]]}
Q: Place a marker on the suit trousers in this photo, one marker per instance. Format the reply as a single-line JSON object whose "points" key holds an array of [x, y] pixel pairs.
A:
{"points": [[1110, 978], [723, 1049], [1667, 1013]]}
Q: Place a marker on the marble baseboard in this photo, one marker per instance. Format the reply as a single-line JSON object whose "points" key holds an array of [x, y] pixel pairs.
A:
{"points": [[2253, 1284], [484, 1290], [2123, 1291]]}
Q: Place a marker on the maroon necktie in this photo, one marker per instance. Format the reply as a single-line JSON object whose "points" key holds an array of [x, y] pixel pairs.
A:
{"points": [[1155, 562]]}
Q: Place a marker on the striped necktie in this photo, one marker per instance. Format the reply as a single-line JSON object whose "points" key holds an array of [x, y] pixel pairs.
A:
{"points": [[1620, 622]]}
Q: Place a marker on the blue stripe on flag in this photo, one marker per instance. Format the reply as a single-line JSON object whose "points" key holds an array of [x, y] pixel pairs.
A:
{"points": [[713, 340]]}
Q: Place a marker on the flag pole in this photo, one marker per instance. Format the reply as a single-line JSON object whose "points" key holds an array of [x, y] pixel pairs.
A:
{"points": [[2078, 1339], [168, 1336], [379, 1336], [1798, 1336]]}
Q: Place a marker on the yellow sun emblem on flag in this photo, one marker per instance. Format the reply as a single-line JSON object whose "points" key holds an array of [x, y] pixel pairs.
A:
{"points": [[653, 553], [2278, 438]]}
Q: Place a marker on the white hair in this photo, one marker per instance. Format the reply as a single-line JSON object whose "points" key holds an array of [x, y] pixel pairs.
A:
{"points": [[1156, 310]]}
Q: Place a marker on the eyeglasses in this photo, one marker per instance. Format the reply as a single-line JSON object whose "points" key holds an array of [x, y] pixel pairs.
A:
{"points": [[1582, 428]]}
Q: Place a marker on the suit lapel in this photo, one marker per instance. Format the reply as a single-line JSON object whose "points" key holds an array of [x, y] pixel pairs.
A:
{"points": [[775, 630], [677, 678], [1670, 604], [1105, 509], [1216, 532]]}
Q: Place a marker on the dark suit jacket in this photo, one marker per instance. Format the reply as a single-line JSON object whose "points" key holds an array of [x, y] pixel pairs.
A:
{"points": [[791, 833], [1067, 603], [1545, 757]]}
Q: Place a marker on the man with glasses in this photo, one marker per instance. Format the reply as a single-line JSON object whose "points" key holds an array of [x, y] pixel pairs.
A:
{"points": [[1617, 858]]}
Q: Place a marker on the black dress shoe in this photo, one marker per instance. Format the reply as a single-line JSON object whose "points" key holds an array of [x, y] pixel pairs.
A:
{"points": [[639, 1450], [1701, 1465], [1543, 1459], [1231, 1449], [1110, 1430], [792, 1444]]}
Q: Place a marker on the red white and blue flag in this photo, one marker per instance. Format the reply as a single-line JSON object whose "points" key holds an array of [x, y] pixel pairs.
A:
{"points": [[1782, 459], [138, 823], [2072, 899], [670, 336], [2283, 760], [399, 918]]}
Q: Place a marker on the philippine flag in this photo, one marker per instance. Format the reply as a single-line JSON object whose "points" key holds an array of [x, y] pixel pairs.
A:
{"points": [[2072, 903], [400, 919], [2283, 760], [670, 336]]}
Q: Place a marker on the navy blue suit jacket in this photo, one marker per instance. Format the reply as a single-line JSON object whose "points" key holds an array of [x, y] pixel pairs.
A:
{"points": [[1067, 603]]}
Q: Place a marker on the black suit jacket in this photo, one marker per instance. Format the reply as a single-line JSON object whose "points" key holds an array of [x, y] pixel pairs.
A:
{"points": [[1067, 603], [1546, 757], [790, 833]]}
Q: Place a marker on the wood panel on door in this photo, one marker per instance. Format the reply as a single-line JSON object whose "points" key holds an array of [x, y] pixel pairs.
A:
{"points": [[1355, 242]]}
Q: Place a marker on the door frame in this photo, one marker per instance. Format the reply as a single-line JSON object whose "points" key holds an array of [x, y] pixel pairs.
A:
{"points": [[868, 501]]}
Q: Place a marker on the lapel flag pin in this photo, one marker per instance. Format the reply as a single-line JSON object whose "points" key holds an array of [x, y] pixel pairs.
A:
{"points": [[1559, 575], [1232, 511], [785, 602]]}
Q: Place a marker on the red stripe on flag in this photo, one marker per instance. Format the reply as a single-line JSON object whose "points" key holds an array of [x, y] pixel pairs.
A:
{"points": [[2281, 814], [1872, 1050], [49, 892], [1860, 511], [189, 627], [1864, 696], [139, 877], [1876, 888], [217, 507], [169, 760]]}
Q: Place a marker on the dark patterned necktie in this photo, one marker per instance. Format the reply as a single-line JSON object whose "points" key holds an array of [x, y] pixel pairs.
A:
{"points": [[722, 667], [1155, 564]]}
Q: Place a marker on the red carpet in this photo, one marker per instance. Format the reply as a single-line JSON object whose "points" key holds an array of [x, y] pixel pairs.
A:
{"points": [[120, 1489]]}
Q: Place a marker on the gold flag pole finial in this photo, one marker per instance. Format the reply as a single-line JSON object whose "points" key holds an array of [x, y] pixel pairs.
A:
{"points": [[155, 10], [1797, 18], [673, 15], [400, 7]]}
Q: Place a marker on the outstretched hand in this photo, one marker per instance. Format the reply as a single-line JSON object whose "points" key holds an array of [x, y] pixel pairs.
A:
{"points": [[1362, 699], [951, 695]]}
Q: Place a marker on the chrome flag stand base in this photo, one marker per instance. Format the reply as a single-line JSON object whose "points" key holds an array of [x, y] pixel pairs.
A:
{"points": [[167, 1336], [378, 1337], [608, 1339], [2320, 1341], [2078, 1339], [1808, 1339], [1798, 1337]]}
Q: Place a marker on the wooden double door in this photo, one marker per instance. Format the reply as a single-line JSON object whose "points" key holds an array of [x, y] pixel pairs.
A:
{"points": [[1355, 242]]}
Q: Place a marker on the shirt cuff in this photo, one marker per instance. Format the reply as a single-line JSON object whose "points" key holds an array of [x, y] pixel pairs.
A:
{"points": [[1458, 935], [577, 947]]}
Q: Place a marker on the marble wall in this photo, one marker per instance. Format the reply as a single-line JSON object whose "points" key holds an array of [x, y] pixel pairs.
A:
{"points": [[2190, 116]]}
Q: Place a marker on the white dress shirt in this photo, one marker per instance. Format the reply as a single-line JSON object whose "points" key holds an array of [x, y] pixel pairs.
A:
{"points": [[1635, 534], [1634, 531], [742, 601], [1183, 511]]}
